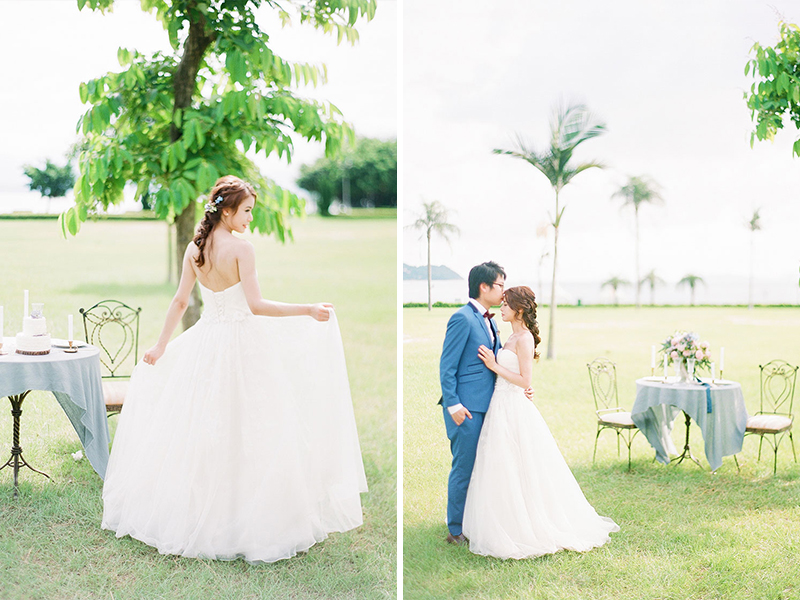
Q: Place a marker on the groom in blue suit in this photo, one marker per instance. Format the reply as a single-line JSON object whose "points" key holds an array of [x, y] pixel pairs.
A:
{"points": [[467, 385]]}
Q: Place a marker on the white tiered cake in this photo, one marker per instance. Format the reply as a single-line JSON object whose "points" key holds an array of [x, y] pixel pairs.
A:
{"points": [[34, 338]]}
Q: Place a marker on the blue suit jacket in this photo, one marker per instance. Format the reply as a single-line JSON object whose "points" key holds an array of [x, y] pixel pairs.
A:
{"points": [[463, 376]]}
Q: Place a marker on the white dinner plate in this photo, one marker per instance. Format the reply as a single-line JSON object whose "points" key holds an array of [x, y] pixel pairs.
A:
{"points": [[65, 343]]}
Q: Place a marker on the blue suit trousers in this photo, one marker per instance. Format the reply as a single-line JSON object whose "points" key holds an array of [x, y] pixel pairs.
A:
{"points": [[463, 445]]}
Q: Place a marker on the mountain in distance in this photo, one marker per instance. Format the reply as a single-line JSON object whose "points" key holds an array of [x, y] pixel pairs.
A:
{"points": [[437, 272]]}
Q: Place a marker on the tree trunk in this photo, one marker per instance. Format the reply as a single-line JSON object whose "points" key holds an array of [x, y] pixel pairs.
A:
{"points": [[691, 296], [638, 283], [184, 83], [429, 269], [551, 329]]}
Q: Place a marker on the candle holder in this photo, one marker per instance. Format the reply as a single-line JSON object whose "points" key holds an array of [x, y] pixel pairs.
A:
{"points": [[652, 371], [71, 349]]}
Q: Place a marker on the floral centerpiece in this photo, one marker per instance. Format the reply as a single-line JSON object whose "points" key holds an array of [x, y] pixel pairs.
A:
{"points": [[684, 349]]}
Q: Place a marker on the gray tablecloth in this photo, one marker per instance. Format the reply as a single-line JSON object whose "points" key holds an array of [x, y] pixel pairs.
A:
{"points": [[75, 381], [657, 404]]}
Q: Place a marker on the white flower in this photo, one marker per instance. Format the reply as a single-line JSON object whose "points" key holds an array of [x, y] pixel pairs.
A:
{"points": [[76, 456]]}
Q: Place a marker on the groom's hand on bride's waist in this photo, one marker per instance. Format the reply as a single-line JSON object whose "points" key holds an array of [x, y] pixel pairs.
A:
{"points": [[530, 393], [461, 414]]}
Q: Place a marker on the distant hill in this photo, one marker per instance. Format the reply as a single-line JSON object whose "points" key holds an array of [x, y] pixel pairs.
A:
{"points": [[437, 272]]}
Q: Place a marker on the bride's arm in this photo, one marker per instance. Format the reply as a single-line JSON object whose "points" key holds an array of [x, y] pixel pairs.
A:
{"points": [[524, 352], [177, 307], [246, 260]]}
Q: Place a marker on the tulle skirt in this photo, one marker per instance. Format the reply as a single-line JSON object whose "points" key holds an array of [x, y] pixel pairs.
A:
{"points": [[239, 443], [523, 500]]}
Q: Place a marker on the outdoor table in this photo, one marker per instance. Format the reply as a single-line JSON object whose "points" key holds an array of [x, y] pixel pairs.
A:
{"points": [[75, 380], [722, 421]]}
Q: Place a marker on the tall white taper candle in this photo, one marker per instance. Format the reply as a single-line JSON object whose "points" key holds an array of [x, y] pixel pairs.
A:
{"points": [[722, 359]]}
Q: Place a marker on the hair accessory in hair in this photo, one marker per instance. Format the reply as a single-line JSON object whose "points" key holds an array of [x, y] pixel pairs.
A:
{"points": [[212, 207]]}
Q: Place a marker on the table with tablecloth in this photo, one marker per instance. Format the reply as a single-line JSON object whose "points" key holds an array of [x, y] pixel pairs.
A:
{"points": [[75, 381], [716, 407]]}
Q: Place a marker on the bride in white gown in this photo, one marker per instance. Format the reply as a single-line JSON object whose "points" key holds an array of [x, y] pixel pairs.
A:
{"points": [[523, 500], [237, 439]]}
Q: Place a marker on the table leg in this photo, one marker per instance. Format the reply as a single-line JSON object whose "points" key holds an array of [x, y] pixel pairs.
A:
{"points": [[17, 460], [687, 453]]}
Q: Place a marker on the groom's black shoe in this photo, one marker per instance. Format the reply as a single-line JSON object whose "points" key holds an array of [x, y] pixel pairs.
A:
{"points": [[459, 539]]}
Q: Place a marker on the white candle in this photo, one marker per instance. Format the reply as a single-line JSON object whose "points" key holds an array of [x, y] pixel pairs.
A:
{"points": [[665, 366], [721, 359], [69, 328], [652, 357], [25, 294], [713, 372]]}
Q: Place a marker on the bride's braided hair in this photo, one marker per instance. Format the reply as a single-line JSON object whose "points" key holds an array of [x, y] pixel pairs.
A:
{"points": [[522, 298], [228, 192]]}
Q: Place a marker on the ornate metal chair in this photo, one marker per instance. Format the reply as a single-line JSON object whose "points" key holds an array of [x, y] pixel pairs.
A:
{"points": [[113, 327], [775, 417], [603, 377]]}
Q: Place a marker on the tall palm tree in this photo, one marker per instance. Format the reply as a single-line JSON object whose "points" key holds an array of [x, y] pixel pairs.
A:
{"points": [[434, 219], [754, 224], [614, 283], [638, 191], [570, 126], [691, 281], [653, 280]]}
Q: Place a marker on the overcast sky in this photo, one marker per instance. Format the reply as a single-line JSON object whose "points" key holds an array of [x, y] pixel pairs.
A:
{"points": [[49, 47], [667, 78]]}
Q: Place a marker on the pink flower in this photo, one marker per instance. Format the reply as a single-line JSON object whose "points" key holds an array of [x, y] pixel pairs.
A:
{"points": [[687, 353], [675, 341], [699, 354], [674, 355], [681, 347], [704, 345]]}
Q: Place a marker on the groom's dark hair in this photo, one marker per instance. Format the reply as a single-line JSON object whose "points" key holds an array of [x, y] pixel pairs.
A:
{"points": [[483, 273]]}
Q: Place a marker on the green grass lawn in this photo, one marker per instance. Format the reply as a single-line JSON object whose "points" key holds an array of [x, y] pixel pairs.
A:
{"points": [[51, 544], [685, 533]]}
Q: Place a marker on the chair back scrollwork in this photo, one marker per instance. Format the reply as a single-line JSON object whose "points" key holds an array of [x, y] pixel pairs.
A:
{"points": [[603, 376], [113, 327], [777, 387]]}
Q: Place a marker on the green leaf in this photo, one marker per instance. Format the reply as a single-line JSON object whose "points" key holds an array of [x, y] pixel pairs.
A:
{"points": [[72, 221], [177, 117], [180, 151], [123, 57], [83, 91], [796, 148]]}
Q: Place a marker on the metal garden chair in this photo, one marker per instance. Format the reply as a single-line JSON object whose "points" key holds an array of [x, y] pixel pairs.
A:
{"points": [[603, 377], [774, 419], [113, 327]]}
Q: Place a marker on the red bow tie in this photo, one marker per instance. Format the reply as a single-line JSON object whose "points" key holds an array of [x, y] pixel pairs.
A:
{"points": [[488, 314]]}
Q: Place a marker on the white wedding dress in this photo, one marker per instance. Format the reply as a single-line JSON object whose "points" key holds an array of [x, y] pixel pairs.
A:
{"points": [[240, 442], [523, 500]]}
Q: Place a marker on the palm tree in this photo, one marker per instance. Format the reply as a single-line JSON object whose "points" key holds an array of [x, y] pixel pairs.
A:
{"points": [[614, 283], [570, 126], [638, 191], [754, 224], [434, 219], [691, 281], [653, 280]]}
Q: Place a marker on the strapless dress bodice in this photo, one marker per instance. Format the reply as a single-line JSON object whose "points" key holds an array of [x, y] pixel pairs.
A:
{"points": [[228, 305], [509, 360]]}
